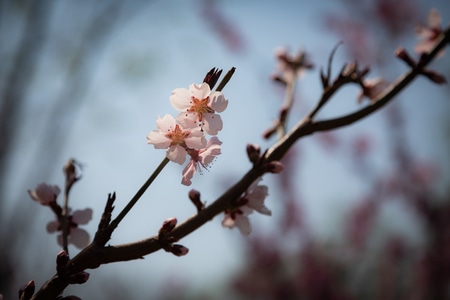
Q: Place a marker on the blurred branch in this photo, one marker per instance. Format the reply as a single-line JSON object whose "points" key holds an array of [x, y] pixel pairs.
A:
{"points": [[308, 126], [22, 70], [97, 254]]}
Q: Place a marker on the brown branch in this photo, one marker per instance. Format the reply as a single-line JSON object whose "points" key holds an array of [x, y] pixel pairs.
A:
{"points": [[308, 126], [95, 255]]}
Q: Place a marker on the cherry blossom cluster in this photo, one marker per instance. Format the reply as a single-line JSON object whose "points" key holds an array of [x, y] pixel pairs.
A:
{"points": [[187, 133], [47, 195]]}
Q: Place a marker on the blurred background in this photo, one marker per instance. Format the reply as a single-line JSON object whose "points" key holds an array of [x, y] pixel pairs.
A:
{"points": [[362, 212]]}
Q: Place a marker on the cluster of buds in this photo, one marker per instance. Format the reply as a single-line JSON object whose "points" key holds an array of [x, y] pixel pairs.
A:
{"points": [[61, 262], [291, 66], [429, 36], [434, 76], [167, 241]]}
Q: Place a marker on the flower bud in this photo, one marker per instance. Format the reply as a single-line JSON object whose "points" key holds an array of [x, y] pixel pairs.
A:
{"points": [[349, 69], [71, 169], [403, 55], [179, 250], [61, 260], [167, 226], [253, 152], [212, 76], [274, 167], [27, 291], [194, 195], [434, 76], [78, 278]]}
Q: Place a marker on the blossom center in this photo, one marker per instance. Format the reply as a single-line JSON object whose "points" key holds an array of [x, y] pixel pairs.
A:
{"points": [[200, 107], [177, 135]]}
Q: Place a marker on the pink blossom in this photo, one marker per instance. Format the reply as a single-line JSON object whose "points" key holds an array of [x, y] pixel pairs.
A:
{"points": [[254, 200], [44, 193], [255, 195], [201, 158], [429, 34], [76, 236], [198, 105], [176, 138], [238, 218]]}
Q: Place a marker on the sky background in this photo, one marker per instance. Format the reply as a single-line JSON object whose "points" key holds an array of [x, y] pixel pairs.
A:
{"points": [[162, 45]]}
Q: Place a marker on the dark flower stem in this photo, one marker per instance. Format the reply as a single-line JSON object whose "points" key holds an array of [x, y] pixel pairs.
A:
{"points": [[137, 196]]}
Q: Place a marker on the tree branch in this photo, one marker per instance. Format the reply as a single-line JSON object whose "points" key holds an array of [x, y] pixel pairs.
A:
{"points": [[95, 255]]}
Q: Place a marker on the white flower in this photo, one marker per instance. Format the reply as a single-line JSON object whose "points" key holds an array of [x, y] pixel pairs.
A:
{"points": [[198, 105], [176, 138]]}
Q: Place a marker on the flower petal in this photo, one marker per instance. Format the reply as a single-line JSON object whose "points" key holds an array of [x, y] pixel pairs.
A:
{"points": [[188, 120], [176, 154], [434, 19], [78, 237], [158, 140], [200, 91], [52, 226], [189, 172], [82, 216], [180, 99], [228, 221], [44, 193], [212, 123], [259, 207], [207, 155], [196, 139], [243, 224], [218, 102], [166, 124]]}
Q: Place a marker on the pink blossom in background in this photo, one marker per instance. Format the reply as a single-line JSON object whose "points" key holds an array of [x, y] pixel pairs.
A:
{"points": [[76, 236], [44, 193], [254, 200], [255, 195], [428, 35], [396, 16], [238, 218], [372, 88], [223, 26]]}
